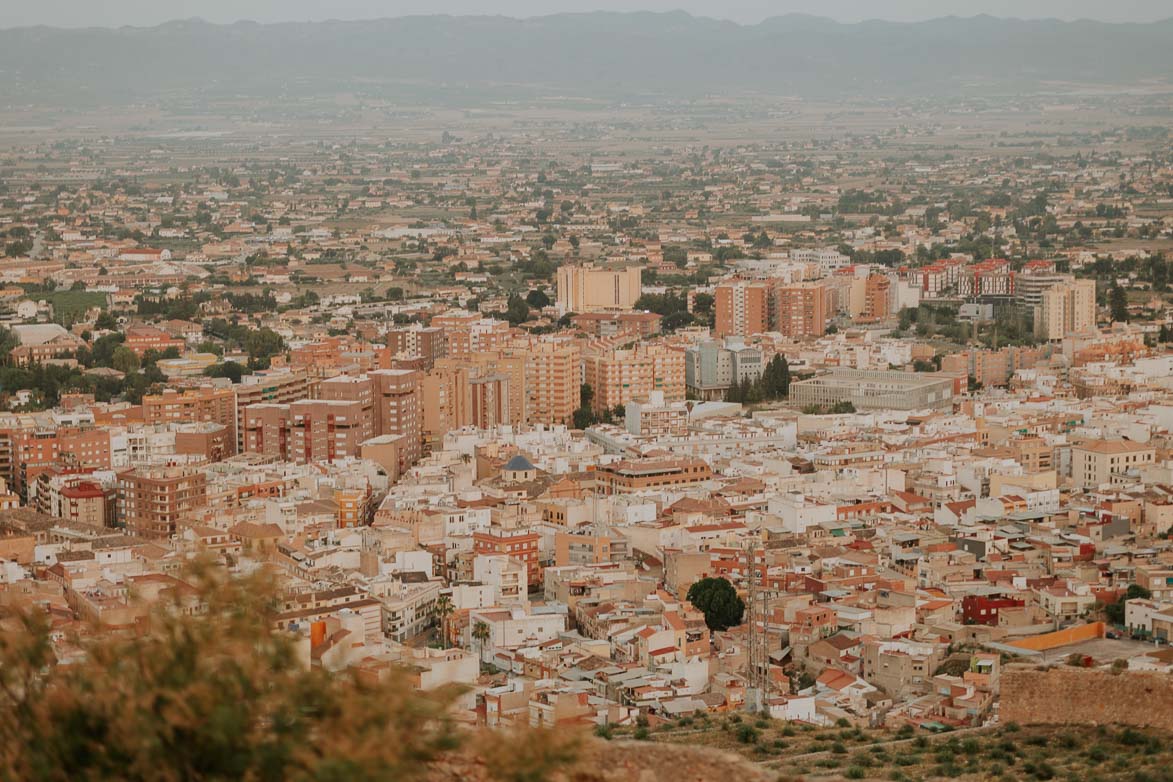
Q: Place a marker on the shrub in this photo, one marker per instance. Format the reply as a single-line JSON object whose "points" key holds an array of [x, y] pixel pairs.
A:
{"points": [[1131, 738], [1044, 771], [862, 759], [855, 772], [746, 734], [641, 733]]}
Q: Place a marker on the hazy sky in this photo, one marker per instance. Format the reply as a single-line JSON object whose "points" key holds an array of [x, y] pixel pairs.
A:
{"points": [[79, 13]]}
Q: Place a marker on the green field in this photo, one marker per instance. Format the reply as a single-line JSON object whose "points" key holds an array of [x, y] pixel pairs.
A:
{"points": [[71, 306]]}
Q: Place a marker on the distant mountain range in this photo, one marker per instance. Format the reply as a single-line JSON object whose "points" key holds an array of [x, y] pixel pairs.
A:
{"points": [[604, 54]]}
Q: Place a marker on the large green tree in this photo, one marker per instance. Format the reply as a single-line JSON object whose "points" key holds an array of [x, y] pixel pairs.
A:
{"points": [[1118, 303], [718, 601]]}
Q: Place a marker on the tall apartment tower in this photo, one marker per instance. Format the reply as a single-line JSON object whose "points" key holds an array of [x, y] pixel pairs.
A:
{"points": [[269, 387], [876, 292], [742, 308], [588, 288], [619, 376], [398, 410], [351, 410], [152, 502], [1066, 308], [206, 403], [800, 310]]}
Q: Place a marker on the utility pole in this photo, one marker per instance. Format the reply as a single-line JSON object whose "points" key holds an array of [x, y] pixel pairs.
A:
{"points": [[757, 645]]}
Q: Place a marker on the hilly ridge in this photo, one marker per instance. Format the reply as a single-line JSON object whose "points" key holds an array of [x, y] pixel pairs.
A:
{"points": [[603, 54]]}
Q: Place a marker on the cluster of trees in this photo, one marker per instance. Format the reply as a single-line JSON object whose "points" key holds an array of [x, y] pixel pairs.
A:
{"points": [[677, 255], [1115, 611], [1154, 270], [516, 311], [141, 374], [773, 384], [586, 416], [838, 408], [1012, 325], [49, 382], [869, 202], [538, 266], [882, 257], [19, 241], [671, 306], [260, 344], [759, 240]]}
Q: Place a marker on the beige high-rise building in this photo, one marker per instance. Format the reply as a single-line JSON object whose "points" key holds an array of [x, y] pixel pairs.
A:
{"points": [[152, 502], [353, 388], [270, 387], [1066, 308], [742, 308], [206, 403], [457, 394], [800, 310], [309, 430], [553, 379], [469, 332], [511, 364], [397, 410], [619, 376], [353, 409], [589, 288]]}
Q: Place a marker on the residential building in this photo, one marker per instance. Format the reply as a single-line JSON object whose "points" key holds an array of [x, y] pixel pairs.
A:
{"points": [[588, 288]]}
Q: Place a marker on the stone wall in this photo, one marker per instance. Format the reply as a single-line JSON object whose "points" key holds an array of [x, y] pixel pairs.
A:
{"points": [[1067, 695]]}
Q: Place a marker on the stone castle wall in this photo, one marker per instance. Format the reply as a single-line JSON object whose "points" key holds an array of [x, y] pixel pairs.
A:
{"points": [[1067, 695]]}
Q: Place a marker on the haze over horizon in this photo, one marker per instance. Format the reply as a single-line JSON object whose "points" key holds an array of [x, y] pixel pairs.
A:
{"points": [[115, 13]]}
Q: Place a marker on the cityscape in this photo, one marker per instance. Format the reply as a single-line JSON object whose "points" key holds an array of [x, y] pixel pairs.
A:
{"points": [[445, 430]]}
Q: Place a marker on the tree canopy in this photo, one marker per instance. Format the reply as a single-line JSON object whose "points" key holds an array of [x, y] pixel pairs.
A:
{"points": [[718, 601], [220, 693]]}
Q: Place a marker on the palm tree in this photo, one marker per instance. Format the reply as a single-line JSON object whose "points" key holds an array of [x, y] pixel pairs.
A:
{"points": [[441, 610], [481, 634]]}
